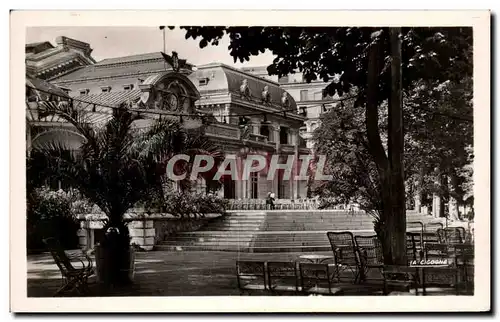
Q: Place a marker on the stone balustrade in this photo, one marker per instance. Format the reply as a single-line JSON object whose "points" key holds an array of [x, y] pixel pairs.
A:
{"points": [[145, 229]]}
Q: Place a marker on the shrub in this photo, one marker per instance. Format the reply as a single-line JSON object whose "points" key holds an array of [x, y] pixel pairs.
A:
{"points": [[51, 214], [186, 204]]}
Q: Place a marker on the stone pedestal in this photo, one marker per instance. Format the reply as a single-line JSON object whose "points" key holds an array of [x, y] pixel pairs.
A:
{"points": [[142, 233]]}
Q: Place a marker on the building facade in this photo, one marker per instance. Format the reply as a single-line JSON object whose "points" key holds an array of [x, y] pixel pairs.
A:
{"points": [[251, 115], [311, 102], [46, 61]]}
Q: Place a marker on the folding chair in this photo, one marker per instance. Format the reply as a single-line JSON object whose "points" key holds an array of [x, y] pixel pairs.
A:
{"points": [[282, 277], [345, 253], [72, 278]]}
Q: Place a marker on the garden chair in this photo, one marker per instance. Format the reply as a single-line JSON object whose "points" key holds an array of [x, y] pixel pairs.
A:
{"points": [[370, 254], [345, 254], [433, 225], [413, 249], [450, 235], [282, 277], [436, 251], [400, 280], [440, 281], [251, 276], [72, 278], [317, 279], [464, 261]]}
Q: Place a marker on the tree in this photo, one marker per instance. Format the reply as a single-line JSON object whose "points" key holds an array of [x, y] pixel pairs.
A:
{"points": [[366, 59], [117, 165]]}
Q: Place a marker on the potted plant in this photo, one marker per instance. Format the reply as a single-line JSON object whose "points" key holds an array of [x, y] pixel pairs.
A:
{"points": [[116, 166]]}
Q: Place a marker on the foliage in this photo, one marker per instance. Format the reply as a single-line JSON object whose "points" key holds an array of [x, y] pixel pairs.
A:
{"points": [[341, 137], [51, 214], [184, 204]]}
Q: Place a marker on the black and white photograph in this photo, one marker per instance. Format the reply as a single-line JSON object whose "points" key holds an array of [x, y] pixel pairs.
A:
{"points": [[181, 159]]}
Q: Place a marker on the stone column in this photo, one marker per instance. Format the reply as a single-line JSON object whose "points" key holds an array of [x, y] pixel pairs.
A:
{"points": [[277, 136], [436, 198], [255, 126], [453, 203], [417, 197], [83, 240], [227, 113]]}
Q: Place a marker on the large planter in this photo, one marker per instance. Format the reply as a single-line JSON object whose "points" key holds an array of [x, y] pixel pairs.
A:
{"points": [[105, 259]]}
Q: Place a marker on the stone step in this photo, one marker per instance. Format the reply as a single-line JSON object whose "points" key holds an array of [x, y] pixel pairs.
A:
{"points": [[293, 249], [207, 239], [201, 248]]}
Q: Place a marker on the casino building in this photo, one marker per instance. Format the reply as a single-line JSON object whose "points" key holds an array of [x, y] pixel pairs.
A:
{"points": [[156, 82]]}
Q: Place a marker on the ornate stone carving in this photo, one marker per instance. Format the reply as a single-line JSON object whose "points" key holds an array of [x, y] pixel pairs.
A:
{"points": [[285, 101], [266, 96], [244, 89]]}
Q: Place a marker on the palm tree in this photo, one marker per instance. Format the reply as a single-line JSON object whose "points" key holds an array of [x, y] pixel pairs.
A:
{"points": [[118, 164]]}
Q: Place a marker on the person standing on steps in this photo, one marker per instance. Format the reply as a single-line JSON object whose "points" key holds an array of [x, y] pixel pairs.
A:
{"points": [[271, 200]]}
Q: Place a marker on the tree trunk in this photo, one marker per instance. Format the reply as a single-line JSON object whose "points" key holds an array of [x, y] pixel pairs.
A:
{"points": [[397, 217], [391, 226]]}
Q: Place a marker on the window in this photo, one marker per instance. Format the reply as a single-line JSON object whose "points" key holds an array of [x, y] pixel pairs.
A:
{"points": [[304, 95], [281, 184], [229, 187], [254, 181], [84, 91], [283, 135], [106, 89], [264, 130], [128, 87], [203, 81]]}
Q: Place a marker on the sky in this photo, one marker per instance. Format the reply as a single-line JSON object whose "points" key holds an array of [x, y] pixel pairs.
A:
{"points": [[109, 42]]}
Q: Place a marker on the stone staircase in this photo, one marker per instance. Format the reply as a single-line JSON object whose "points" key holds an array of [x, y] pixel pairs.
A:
{"points": [[278, 231]]}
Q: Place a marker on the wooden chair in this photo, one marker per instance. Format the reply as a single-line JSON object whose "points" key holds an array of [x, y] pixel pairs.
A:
{"points": [[251, 276], [72, 278]]}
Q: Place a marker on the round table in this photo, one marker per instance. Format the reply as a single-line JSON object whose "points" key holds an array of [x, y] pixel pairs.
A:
{"points": [[316, 258]]}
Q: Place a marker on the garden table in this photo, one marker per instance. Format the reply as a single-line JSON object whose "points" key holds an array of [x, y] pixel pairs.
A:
{"points": [[316, 258]]}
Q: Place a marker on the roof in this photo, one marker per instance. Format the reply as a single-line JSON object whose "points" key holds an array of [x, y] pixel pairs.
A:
{"points": [[102, 112], [120, 66], [226, 78], [44, 86], [131, 58], [36, 44], [111, 98]]}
